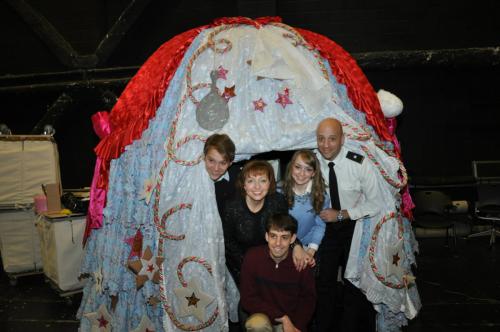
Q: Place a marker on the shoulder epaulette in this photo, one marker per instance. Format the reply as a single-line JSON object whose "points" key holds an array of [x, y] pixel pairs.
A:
{"points": [[355, 157]]}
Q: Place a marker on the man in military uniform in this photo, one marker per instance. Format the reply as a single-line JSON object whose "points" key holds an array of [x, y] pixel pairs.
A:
{"points": [[353, 190]]}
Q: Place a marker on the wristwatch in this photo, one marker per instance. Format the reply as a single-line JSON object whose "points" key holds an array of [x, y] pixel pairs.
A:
{"points": [[340, 216]]}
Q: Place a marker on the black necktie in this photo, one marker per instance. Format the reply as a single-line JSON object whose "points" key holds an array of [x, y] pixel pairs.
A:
{"points": [[334, 189]]}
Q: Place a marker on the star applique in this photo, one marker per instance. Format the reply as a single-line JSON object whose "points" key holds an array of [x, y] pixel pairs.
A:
{"points": [[147, 190], [395, 259], [153, 301], [146, 268], [145, 325], [395, 255], [135, 243], [98, 280], [193, 300], [221, 72], [408, 280], [229, 92], [284, 98], [259, 105], [100, 320]]}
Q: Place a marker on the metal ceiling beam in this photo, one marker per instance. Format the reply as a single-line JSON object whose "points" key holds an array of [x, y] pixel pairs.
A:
{"points": [[115, 34], [63, 50], [370, 61], [56, 43]]}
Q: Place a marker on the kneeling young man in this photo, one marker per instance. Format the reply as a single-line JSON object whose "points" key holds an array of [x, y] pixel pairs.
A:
{"points": [[275, 295]]}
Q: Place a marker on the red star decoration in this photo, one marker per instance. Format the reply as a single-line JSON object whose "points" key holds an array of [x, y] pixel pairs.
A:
{"points": [[102, 321], [259, 105], [192, 300], [229, 92], [283, 98], [395, 259], [136, 267], [136, 244], [221, 72], [151, 268]]}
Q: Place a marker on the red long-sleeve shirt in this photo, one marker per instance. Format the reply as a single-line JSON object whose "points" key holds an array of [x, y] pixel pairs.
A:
{"points": [[277, 289]]}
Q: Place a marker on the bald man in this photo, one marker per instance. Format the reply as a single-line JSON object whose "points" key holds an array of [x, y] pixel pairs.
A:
{"points": [[353, 190]]}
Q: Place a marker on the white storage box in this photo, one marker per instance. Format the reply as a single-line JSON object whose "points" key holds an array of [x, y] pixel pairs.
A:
{"points": [[61, 248], [19, 241], [26, 162]]}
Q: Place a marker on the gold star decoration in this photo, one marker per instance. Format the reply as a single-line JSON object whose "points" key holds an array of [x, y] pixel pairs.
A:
{"points": [[146, 268], [100, 320], [395, 260], [145, 325], [193, 300]]}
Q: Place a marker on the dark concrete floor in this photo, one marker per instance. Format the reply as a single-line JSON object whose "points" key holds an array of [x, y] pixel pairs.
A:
{"points": [[460, 291]]}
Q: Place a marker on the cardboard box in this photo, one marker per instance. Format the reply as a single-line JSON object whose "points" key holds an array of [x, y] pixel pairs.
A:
{"points": [[53, 193]]}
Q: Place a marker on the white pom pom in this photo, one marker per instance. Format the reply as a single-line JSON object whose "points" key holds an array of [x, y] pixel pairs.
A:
{"points": [[391, 105]]}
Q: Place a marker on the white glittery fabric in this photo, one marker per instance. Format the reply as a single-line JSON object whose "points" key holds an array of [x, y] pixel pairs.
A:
{"points": [[261, 64]]}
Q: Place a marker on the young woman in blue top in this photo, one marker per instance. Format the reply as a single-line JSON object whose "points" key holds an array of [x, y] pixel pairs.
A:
{"points": [[305, 193]]}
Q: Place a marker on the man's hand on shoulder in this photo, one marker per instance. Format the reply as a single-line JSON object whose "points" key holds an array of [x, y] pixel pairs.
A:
{"points": [[287, 324], [328, 215]]}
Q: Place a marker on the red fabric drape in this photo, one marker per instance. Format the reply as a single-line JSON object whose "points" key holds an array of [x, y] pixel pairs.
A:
{"points": [[347, 72], [361, 93], [141, 98]]}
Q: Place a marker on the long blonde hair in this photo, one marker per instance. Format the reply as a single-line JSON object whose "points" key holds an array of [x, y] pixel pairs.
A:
{"points": [[318, 185]]}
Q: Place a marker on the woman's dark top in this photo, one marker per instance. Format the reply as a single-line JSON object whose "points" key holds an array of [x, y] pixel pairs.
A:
{"points": [[244, 229]]}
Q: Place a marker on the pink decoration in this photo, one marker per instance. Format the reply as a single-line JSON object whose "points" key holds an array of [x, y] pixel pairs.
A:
{"points": [[102, 127], [259, 105], [408, 204], [391, 126], [283, 98], [135, 243], [40, 203], [221, 72]]}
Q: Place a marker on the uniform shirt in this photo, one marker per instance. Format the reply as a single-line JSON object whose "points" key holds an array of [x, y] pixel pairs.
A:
{"points": [[357, 183]]}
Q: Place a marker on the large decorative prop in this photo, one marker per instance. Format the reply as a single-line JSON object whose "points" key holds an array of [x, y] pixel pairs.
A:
{"points": [[276, 83]]}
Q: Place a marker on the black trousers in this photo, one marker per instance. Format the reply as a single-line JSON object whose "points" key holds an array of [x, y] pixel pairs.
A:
{"points": [[357, 313]]}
